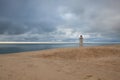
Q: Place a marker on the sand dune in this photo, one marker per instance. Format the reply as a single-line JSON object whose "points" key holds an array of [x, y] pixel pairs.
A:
{"points": [[85, 63]]}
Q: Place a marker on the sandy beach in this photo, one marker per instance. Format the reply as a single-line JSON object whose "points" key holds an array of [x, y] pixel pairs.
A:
{"points": [[84, 63]]}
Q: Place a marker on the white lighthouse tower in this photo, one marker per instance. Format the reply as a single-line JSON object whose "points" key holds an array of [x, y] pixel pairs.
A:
{"points": [[81, 40]]}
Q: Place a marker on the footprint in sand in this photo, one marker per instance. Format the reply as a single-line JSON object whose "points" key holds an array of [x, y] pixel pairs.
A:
{"points": [[30, 65], [91, 77]]}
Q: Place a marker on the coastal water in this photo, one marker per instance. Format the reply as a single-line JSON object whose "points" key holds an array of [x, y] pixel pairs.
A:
{"points": [[15, 48]]}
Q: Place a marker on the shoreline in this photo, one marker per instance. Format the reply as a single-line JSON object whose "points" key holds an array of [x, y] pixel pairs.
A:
{"points": [[84, 63], [109, 45]]}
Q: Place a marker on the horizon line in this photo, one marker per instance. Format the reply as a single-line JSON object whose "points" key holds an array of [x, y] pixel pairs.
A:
{"points": [[35, 42], [49, 42]]}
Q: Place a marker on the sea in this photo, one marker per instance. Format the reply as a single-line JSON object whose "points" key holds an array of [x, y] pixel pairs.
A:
{"points": [[16, 48]]}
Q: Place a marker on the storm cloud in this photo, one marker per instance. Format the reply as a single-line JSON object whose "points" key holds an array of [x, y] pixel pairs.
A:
{"points": [[60, 20]]}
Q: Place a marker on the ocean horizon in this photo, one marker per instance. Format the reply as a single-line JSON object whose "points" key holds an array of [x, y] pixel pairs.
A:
{"points": [[16, 47]]}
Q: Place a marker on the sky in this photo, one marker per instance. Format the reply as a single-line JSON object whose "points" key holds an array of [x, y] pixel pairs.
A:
{"points": [[60, 20]]}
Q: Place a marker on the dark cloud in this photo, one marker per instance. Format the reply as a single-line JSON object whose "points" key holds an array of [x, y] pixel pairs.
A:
{"points": [[59, 20], [9, 28]]}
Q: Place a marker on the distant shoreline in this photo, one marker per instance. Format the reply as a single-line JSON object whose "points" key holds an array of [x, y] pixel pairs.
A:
{"points": [[20, 48], [37, 42], [9, 48], [51, 42]]}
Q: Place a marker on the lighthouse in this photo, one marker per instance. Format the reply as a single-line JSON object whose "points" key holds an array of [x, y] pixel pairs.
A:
{"points": [[81, 40]]}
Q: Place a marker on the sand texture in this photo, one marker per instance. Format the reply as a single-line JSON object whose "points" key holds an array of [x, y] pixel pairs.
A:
{"points": [[85, 63]]}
